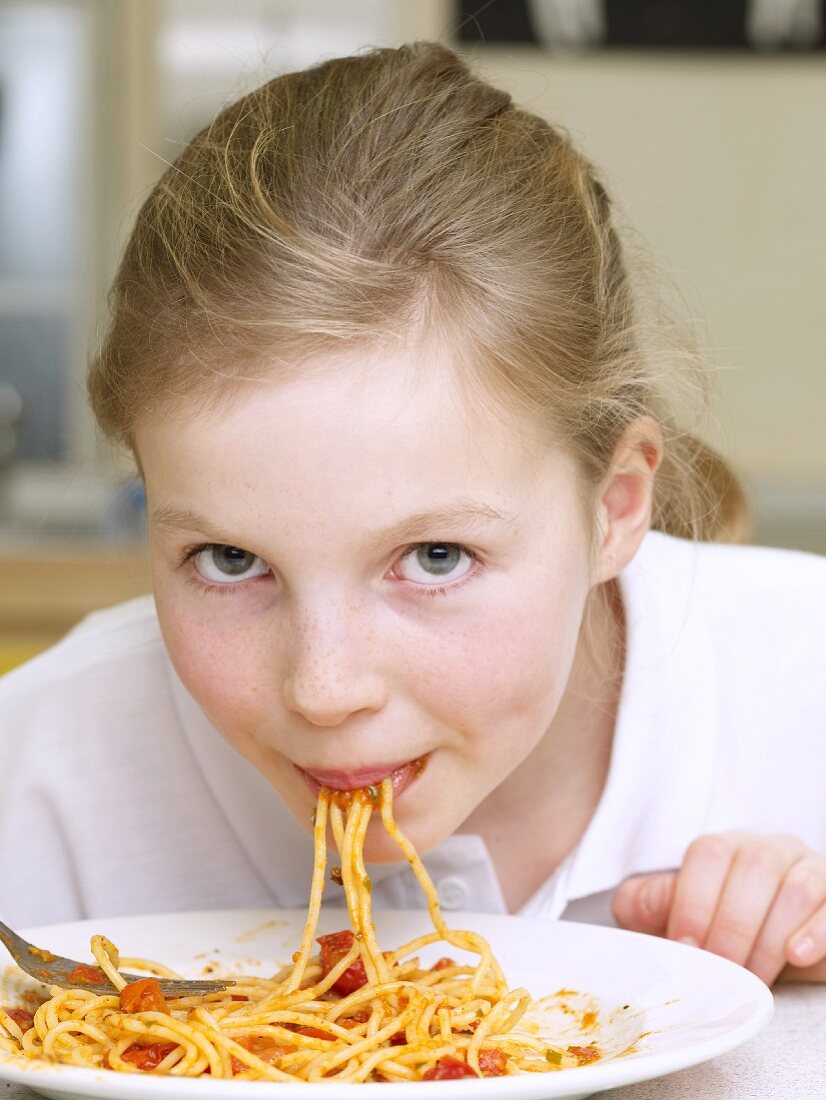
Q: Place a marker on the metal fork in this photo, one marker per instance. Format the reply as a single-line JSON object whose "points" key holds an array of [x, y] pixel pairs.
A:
{"points": [[55, 970]]}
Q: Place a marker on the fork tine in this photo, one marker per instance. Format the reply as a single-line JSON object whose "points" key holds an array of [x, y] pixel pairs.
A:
{"points": [[193, 989], [174, 987]]}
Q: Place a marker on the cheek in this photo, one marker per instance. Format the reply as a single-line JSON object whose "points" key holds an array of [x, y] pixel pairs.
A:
{"points": [[503, 673], [217, 658]]}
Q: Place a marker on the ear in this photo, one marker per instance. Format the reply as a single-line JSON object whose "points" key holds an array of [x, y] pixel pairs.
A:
{"points": [[625, 496]]}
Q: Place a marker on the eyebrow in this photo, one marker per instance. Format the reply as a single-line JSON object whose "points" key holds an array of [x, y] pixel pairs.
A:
{"points": [[469, 514], [172, 517]]}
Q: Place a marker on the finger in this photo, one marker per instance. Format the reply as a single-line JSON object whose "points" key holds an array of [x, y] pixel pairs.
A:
{"points": [[699, 885], [751, 887], [642, 903], [801, 894], [807, 947]]}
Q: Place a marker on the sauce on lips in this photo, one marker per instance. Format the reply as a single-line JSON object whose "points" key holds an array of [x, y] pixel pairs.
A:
{"points": [[344, 784]]}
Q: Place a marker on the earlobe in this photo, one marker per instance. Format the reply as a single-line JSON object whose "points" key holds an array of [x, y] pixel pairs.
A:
{"points": [[626, 496]]}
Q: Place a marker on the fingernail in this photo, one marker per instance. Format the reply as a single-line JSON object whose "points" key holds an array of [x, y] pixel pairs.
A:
{"points": [[645, 899], [651, 896], [689, 941], [803, 949]]}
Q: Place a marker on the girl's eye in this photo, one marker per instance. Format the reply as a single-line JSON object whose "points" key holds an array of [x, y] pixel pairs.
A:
{"points": [[435, 562], [223, 564]]}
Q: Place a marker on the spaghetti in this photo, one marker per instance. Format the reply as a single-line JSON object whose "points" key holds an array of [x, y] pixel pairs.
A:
{"points": [[348, 1013]]}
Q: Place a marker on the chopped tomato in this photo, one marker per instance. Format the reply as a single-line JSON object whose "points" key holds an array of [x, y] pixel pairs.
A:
{"points": [[238, 997], [144, 995], [86, 975], [399, 1039], [492, 1062], [584, 1055], [443, 964], [360, 1017], [263, 1047], [21, 1016], [333, 949], [149, 1056], [314, 1033], [448, 1069]]}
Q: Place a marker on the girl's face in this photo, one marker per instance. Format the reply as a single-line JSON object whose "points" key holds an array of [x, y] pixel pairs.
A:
{"points": [[359, 569]]}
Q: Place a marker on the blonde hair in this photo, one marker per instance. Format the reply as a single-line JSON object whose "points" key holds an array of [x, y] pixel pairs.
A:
{"points": [[395, 189]]}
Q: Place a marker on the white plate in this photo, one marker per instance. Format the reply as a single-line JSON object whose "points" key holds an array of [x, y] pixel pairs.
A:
{"points": [[684, 1005]]}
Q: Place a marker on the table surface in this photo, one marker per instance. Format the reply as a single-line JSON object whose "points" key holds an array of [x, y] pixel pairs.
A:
{"points": [[787, 1060]]}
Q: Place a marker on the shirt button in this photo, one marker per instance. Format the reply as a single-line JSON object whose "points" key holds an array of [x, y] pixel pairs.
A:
{"points": [[453, 893]]}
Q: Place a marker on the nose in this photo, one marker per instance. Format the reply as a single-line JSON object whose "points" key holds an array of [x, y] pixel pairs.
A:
{"points": [[332, 672]]}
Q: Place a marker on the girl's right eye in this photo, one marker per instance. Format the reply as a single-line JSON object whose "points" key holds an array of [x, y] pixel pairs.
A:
{"points": [[219, 564]]}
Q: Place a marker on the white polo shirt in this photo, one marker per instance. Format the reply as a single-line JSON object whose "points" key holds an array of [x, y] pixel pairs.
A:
{"points": [[118, 796]]}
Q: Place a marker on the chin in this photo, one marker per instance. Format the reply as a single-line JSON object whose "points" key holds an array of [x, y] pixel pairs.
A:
{"points": [[379, 846]]}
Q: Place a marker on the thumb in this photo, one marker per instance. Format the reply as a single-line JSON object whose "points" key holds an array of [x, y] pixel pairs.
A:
{"points": [[642, 903]]}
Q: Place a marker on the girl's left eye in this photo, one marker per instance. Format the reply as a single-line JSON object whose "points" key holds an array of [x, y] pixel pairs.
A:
{"points": [[221, 565], [436, 563]]}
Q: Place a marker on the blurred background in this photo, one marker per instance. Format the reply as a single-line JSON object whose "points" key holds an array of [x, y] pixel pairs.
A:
{"points": [[707, 117]]}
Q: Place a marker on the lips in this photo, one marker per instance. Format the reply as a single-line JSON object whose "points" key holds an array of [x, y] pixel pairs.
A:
{"points": [[401, 775]]}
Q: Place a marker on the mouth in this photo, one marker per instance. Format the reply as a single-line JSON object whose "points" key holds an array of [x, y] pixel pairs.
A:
{"points": [[401, 776]]}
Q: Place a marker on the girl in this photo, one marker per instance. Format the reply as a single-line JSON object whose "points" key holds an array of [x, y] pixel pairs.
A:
{"points": [[417, 507]]}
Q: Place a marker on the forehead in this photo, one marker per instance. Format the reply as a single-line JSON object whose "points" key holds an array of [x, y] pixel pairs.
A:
{"points": [[356, 433]]}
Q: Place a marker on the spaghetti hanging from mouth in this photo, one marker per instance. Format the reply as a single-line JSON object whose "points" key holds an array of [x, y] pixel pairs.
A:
{"points": [[350, 1012]]}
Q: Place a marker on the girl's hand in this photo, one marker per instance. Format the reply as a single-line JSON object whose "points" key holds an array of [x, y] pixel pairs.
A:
{"points": [[758, 900]]}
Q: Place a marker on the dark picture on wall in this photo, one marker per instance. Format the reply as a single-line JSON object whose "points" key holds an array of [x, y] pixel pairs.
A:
{"points": [[761, 25]]}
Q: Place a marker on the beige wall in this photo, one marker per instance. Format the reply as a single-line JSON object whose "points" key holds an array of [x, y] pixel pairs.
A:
{"points": [[720, 162]]}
